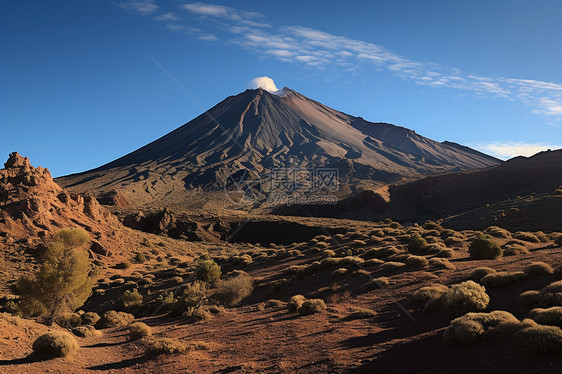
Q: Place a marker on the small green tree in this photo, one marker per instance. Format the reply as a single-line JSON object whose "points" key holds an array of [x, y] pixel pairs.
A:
{"points": [[65, 277]]}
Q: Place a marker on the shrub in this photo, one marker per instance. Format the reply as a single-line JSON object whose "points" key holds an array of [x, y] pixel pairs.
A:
{"points": [[392, 266], [311, 306], [539, 341], [484, 247], [417, 244], [497, 232], [466, 296], [194, 314], [208, 271], [339, 272], [481, 272], [360, 314], [529, 298], [501, 278], [515, 249], [417, 261], [55, 344], [526, 236], [441, 263], [234, 290], [113, 318], [140, 258], [549, 316], [65, 278], [473, 327], [68, 320], [445, 252], [295, 302], [375, 283], [538, 268], [138, 330], [129, 298], [85, 331], [123, 265], [90, 318], [551, 294], [193, 296], [166, 346], [430, 296]]}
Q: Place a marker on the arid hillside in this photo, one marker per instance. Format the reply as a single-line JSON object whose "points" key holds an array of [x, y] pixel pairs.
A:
{"points": [[520, 194]]}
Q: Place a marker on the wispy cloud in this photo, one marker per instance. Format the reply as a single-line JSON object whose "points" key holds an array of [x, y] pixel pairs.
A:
{"points": [[144, 7], [207, 37], [319, 49], [240, 17], [170, 16], [506, 150]]}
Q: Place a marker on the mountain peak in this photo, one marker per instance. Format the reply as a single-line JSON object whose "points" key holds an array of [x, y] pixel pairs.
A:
{"points": [[265, 130]]}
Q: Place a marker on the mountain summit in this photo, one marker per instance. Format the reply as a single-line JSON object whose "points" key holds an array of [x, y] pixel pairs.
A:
{"points": [[259, 130]]}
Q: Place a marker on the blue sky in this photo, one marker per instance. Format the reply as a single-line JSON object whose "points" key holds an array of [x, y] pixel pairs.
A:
{"points": [[80, 83]]}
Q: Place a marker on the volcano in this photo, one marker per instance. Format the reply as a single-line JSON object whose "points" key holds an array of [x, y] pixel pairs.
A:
{"points": [[260, 131]]}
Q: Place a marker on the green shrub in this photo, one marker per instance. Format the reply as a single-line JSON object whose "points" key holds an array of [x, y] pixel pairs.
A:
{"points": [[208, 271], [539, 341], [538, 268], [473, 327], [65, 278], [466, 296], [113, 318], [234, 290], [311, 306], [139, 330], [129, 299], [502, 278], [55, 344], [484, 247], [417, 244], [549, 316]]}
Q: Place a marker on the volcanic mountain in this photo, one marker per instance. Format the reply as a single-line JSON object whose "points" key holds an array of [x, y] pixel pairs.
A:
{"points": [[259, 130]]}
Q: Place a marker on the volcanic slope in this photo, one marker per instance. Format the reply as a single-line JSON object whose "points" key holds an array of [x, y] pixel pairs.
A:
{"points": [[259, 130]]}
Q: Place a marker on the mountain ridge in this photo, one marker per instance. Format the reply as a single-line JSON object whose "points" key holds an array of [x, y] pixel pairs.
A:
{"points": [[261, 131]]}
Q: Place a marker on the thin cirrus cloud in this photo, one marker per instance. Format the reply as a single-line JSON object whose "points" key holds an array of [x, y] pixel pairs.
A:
{"points": [[322, 50], [506, 150], [143, 7], [319, 49], [170, 16]]}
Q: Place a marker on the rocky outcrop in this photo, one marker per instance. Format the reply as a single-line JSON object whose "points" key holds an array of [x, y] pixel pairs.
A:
{"points": [[164, 222], [33, 206]]}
